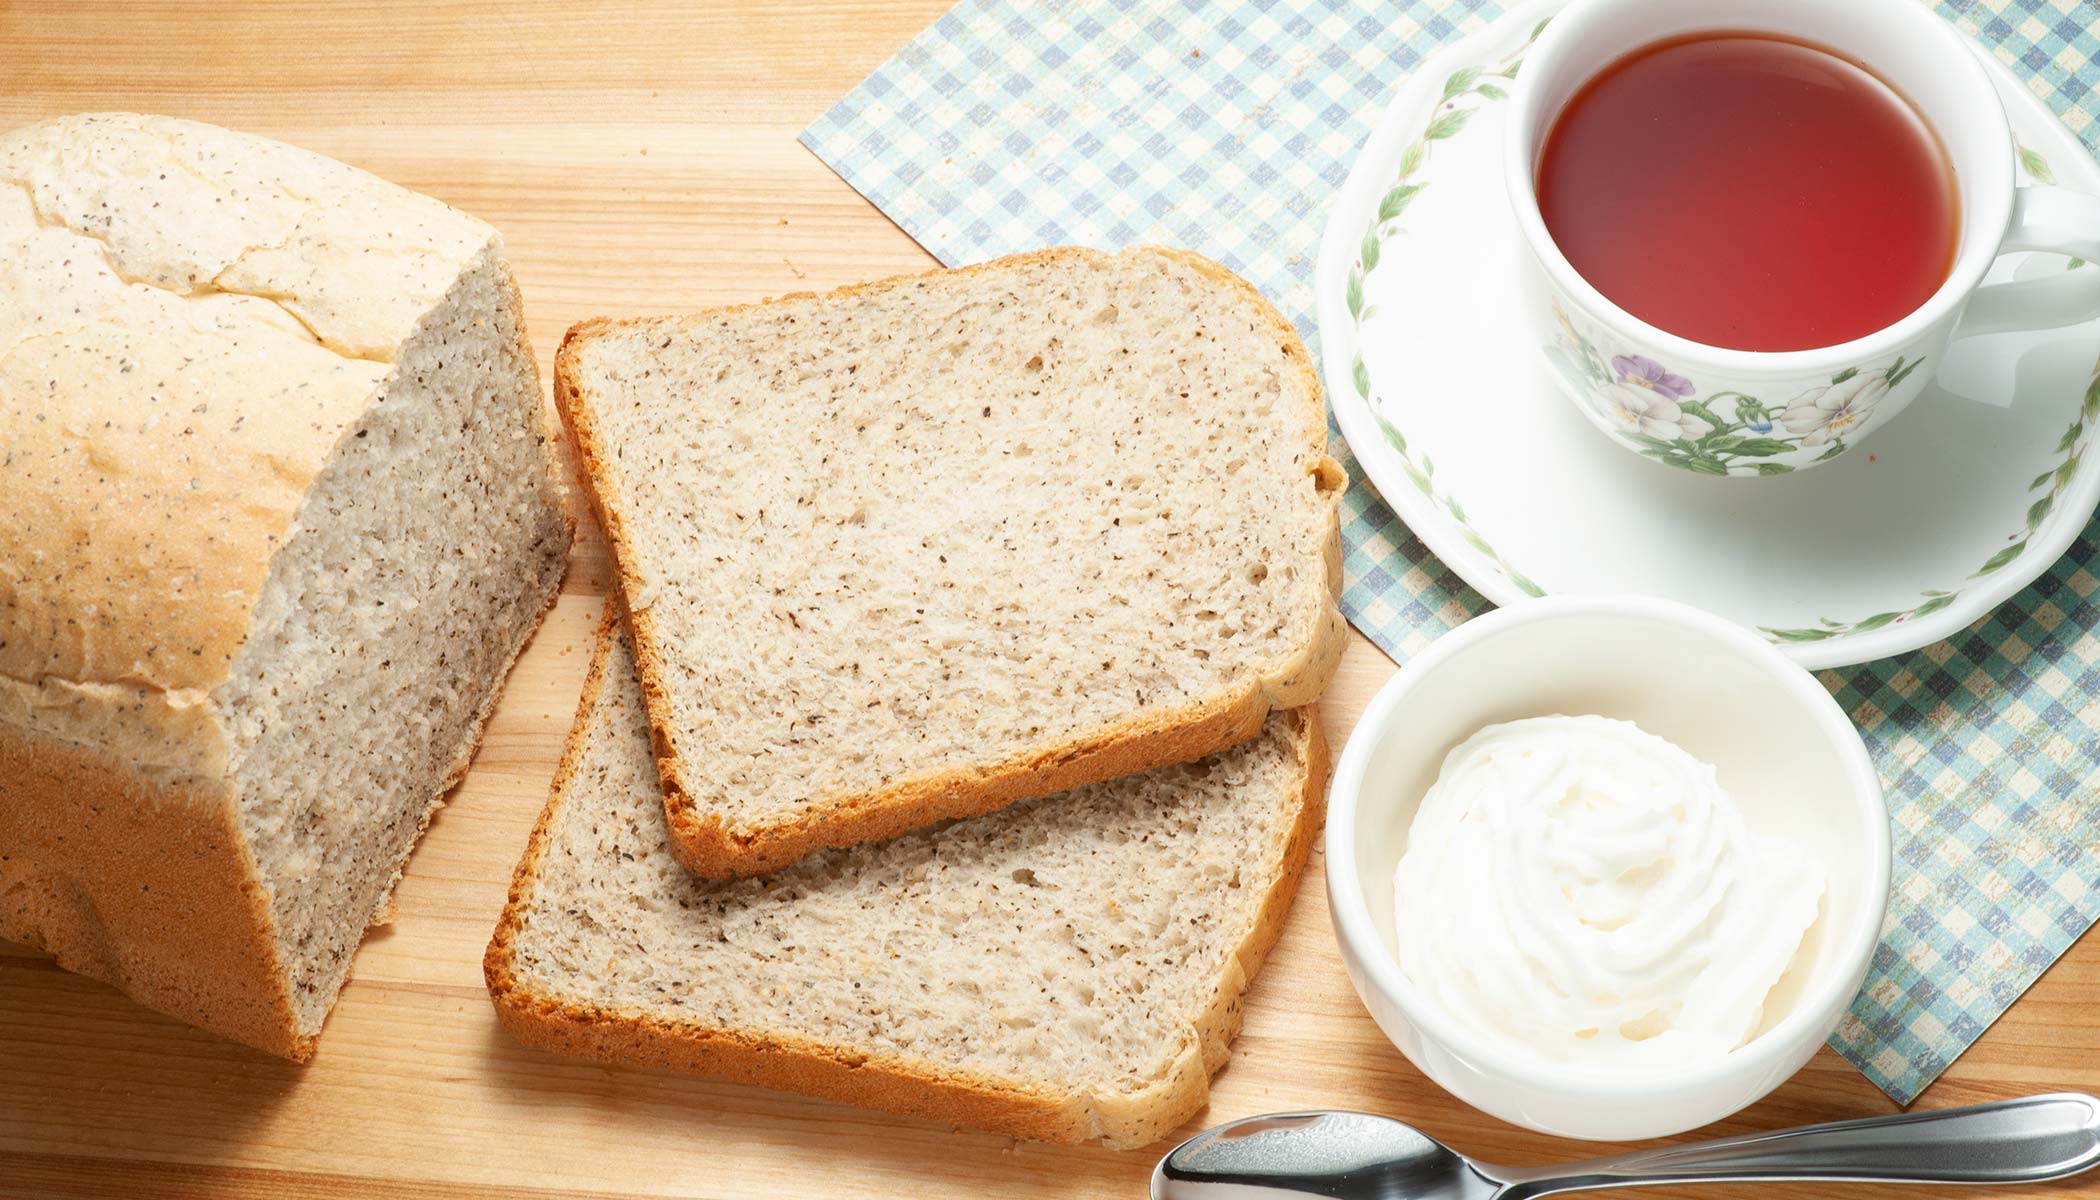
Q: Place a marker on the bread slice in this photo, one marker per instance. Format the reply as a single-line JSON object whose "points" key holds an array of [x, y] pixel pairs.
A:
{"points": [[282, 507], [924, 547], [1065, 969]]}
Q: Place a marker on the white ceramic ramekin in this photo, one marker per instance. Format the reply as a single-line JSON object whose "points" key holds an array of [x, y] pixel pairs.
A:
{"points": [[1784, 750]]}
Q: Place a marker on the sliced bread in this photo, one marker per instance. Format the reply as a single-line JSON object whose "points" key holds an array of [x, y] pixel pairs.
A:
{"points": [[925, 547], [1067, 968]]}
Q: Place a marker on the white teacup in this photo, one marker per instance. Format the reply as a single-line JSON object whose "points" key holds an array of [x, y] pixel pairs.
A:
{"points": [[1782, 412]]}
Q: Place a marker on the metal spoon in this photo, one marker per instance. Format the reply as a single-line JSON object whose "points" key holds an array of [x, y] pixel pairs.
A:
{"points": [[1356, 1156]]}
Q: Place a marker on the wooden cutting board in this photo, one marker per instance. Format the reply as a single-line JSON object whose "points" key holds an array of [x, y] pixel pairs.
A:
{"points": [[637, 161]]}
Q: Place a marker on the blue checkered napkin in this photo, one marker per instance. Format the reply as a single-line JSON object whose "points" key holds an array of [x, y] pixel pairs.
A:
{"points": [[1987, 744], [1226, 125]]}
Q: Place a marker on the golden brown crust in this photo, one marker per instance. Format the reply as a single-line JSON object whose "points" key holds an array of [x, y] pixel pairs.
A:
{"points": [[707, 847], [198, 505], [146, 887], [895, 1085], [150, 888]]}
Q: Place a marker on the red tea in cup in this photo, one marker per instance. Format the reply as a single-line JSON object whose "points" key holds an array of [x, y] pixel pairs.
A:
{"points": [[1750, 192]]}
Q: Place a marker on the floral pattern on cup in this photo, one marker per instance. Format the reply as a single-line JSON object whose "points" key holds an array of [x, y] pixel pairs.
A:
{"points": [[1663, 415], [1643, 397], [1824, 414]]}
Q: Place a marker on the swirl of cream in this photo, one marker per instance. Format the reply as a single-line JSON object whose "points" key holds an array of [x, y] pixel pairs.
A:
{"points": [[1587, 891]]}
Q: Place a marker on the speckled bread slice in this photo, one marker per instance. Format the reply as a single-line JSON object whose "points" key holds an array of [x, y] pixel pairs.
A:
{"points": [[921, 548], [282, 508], [1067, 968]]}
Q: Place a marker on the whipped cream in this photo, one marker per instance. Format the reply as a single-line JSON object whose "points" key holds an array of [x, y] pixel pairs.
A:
{"points": [[1587, 890]]}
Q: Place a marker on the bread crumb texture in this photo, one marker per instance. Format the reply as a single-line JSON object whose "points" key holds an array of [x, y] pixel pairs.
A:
{"points": [[1078, 946], [957, 521]]}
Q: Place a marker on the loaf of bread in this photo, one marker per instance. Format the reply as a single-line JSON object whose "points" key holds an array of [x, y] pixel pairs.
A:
{"points": [[282, 511], [1067, 968], [921, 548]]}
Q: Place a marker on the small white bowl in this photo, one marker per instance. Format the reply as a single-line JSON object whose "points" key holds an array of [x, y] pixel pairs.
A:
{"points": [[1785, 752]]}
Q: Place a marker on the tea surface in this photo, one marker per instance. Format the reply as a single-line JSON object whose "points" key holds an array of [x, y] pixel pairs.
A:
{"points": [[1750, 192]]}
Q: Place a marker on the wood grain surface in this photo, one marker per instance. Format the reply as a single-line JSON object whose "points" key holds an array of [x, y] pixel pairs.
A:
{"points": [[639, 158]]}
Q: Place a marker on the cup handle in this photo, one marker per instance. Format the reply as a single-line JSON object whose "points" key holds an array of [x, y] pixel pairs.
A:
{"points": [[2043, 218]]}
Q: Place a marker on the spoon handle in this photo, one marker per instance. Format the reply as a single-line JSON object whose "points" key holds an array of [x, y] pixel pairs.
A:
{"points": [[2011, 1141]]}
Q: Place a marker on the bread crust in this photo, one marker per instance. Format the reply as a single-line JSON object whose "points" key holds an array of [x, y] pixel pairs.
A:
{"points": [[198, 507], [892, 1084], [704, 843], [149, 884], [146, 887], [151, 889]]}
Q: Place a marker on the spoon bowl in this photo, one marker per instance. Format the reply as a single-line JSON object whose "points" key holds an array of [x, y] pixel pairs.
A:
{"points": [[1320, 1154]]}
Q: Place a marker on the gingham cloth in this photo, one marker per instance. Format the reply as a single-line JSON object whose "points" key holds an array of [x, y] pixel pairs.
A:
{"points": [[1226, 125]]}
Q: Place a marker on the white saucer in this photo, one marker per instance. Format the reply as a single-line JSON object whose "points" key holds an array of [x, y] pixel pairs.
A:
{"points": [[1454, 414]]}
